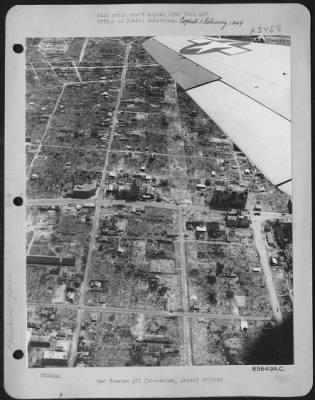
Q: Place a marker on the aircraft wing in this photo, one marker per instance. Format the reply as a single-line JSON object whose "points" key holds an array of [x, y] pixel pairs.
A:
{"points": [[244, 87]]}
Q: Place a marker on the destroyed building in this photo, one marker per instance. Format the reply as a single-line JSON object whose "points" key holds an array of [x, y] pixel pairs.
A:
{"points": [[237, 219], [84, 191], [54, 358], [283, 233], [224, 198]]}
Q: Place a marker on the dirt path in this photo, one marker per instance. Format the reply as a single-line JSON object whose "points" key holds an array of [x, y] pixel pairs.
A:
{"points": [[83, 50]]}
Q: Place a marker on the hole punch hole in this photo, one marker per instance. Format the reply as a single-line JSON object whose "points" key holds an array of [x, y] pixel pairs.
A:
{"points": [[18, 354], [18, 201], [18, 48]]}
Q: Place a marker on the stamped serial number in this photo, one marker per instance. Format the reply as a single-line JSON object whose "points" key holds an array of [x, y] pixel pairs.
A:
{"points": [[265, 29], [267, 368]]}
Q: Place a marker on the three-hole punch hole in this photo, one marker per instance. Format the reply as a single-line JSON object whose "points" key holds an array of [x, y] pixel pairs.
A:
{"points": [[18, 354], [18, 201], [18, 48]]}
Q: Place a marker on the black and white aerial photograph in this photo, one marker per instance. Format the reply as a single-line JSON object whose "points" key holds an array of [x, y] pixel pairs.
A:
{"points": [[158, 201]]}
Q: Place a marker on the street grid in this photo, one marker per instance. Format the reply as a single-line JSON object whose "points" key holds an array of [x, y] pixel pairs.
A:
{"points": [[185, 315]]}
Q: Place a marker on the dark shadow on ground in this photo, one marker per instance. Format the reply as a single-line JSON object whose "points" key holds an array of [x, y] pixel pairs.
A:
{"points": [[274, 346]]}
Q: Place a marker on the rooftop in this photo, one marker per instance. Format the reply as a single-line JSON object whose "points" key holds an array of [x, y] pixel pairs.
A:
{"points": [[86, 186]]}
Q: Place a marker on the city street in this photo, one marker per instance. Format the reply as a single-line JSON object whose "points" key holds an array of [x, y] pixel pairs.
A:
{"points": [[259, 235], [142, 158]]}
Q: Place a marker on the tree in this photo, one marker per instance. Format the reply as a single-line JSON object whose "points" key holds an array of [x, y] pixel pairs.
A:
{"points": [[212, 294], [229, 294], [212, 279], [164, 121], [194, 272], [289, 205], [158, 197], [219, 268]]}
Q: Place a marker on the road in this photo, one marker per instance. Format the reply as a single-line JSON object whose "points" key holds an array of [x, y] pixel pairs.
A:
{"points": [[238, 167], [257, 222], [75, 340], [116, 150], [83, 49], [77, 71], [45, 131], [98, 205], [184, 287], [264, 215], [214, 242], [151, 312], [66, 201], [31, 243], [60, 67]]}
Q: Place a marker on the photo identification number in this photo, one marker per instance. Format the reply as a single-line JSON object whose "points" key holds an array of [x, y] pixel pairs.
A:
{"points": [[267, 368]]}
